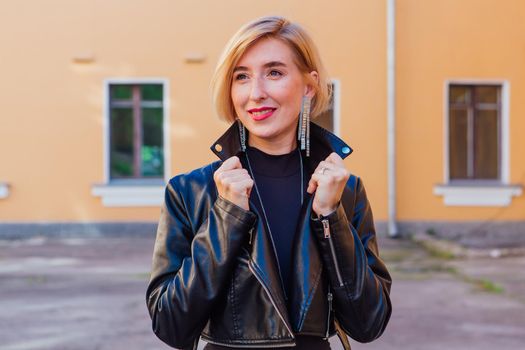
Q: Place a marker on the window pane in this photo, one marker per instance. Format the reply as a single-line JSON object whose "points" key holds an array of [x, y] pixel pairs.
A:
{"points": [[121, 92], [459, 94], [151, 92], [152, 142], [121, 130], [486, 144], [326, 120], [487, 94], [458, 143]]}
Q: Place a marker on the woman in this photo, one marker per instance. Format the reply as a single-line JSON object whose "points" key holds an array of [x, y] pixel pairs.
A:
{"points": [[274, 245]]}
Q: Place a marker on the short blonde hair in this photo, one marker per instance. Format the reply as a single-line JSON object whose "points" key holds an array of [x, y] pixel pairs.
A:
{"points": [[306, 55]]}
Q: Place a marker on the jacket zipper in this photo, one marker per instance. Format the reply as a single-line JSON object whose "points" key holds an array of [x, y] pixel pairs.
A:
{"points": [[327, 235], [267, 224], [248, 346], [272, 301], [330, 298], [251, 236]]}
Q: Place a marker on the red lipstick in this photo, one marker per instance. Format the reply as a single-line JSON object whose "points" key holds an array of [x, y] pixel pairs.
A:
{"points": [[261, 113]]}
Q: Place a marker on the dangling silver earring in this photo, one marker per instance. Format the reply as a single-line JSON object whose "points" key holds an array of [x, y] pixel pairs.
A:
{"points": [[242, 135], [303, 131]]}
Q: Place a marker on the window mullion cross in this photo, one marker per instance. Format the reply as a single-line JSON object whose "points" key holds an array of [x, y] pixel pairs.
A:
{"points": [[137, 132], [470, 135]]}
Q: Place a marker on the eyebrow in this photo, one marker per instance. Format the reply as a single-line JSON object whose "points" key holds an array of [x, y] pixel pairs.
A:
{"points": [[270, 64]]}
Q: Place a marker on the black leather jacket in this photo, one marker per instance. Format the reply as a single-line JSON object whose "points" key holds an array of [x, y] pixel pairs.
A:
{"points": [[214, 269]]}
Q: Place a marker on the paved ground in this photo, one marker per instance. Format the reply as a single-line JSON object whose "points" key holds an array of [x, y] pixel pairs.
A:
{"points": [[89, 294]]}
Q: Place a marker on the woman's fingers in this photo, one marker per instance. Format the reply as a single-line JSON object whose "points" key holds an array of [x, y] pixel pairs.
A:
{"points": [[312, 186], [233, 182], [328, 181], [334, 158], [230, 163], [229, 174]]}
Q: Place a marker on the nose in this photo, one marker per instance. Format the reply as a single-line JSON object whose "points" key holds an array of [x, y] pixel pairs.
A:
{"points": [[258, 90]]}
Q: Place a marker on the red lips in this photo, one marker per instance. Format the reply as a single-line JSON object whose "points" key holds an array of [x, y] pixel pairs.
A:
{"points": [[261, 113]]}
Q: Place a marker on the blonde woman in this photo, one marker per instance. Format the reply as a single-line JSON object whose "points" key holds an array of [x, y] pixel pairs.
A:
{"points": [[274, 244]]}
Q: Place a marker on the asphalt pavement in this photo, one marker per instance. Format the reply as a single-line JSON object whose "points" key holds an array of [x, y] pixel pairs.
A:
{"points": [[89, 293]]}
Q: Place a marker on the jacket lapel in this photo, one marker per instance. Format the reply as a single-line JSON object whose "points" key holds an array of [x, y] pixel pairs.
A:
{"points": [[264, 265]]}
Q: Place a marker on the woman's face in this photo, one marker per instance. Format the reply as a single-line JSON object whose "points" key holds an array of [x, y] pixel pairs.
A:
{"points": [[267, 92]]}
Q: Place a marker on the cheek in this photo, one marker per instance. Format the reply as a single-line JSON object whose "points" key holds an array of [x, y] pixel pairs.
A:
{"points": [[292, 100], [289, 94], [237, 97]]}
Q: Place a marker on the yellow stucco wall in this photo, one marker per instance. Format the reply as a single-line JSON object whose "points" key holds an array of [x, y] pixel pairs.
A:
{"points": [[52, 142], [439, 41], [51, 135]]}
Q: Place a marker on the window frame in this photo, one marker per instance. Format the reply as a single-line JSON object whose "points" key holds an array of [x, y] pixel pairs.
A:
{"points": [[336, 92], [479, 192], [107, 132], [336, 107], [133, 192], [504, 143]]}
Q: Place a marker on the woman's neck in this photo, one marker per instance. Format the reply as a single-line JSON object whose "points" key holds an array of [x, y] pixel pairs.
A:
{"points": [[273, 147]]}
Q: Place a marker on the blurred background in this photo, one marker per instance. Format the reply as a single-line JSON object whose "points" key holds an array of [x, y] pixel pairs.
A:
{"points": [[103, 101]]}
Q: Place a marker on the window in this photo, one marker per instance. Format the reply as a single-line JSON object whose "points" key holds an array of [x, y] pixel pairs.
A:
{"points": [[474, 132], [136, 116], [135, 139], [477, 161], [329, 119]]}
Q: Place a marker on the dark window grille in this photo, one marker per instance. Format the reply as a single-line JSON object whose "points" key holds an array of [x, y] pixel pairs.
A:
{"points": [[136, 131], [474, 132]]}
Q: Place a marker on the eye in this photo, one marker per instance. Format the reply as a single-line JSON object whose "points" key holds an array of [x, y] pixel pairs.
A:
{"points": [[240, 76], [275, 73]]}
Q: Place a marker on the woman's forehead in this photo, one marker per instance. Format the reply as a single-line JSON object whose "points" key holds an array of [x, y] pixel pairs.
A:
{"points": [[266, 52]]}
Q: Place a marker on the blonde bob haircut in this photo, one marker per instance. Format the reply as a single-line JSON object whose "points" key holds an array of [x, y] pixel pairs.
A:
{"points": [[306, 57]]}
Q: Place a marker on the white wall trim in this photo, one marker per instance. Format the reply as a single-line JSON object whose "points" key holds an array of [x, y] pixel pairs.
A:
{"points": [[337, 105], [477, 196], [4, 190], [129, 196], [505, 124], [505, 132]]}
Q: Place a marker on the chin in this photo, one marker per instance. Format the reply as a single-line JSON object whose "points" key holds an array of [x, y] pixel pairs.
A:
{"points": [[263, 133], [267, 131]]}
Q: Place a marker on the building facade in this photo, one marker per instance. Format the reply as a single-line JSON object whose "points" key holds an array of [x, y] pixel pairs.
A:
{"points": [[104, 101]]}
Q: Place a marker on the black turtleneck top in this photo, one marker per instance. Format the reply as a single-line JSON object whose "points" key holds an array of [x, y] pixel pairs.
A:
{"points": [[278, 179]]}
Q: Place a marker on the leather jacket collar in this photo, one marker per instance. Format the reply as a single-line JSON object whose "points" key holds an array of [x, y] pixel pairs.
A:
{"points": [[322, 142]]}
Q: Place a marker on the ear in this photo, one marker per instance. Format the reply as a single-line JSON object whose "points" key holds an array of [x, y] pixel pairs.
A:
{"points": [[312, 80]]}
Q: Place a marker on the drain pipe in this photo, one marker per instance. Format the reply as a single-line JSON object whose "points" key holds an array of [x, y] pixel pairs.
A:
{"points": [[391, 116]]}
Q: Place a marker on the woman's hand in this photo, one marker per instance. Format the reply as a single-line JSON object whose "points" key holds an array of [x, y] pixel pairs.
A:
{"points": [[233, 182], [328, 182]]}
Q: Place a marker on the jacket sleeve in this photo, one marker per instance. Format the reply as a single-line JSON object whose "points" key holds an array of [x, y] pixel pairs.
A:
{"points": [[190, 269], [359, 279]]}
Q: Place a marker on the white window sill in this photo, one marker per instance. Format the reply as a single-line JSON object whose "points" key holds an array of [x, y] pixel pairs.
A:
{"points": [[474, 195], [4, 190], [129, 195]]}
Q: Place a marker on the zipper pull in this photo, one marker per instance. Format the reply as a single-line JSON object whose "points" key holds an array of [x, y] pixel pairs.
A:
{"points": [[251, 236], [326, 228], [330, 297]]}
